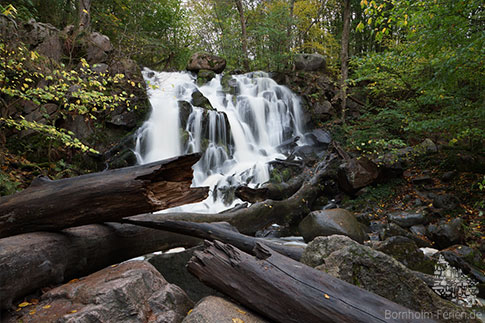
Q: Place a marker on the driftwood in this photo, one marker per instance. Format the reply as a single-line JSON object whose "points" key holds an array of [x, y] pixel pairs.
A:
{"points": [[34, 260], [288, 291], [100, 197], [262, 214], [214, 232]]}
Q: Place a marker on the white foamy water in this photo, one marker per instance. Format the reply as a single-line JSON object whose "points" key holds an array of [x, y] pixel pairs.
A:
{"points": [[238, 138]]}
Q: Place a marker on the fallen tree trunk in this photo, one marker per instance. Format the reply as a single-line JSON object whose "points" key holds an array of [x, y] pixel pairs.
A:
{"points": [[34, 260], [262, 214], [271, 191], [100, 197], [288, 291], [213, 232]]}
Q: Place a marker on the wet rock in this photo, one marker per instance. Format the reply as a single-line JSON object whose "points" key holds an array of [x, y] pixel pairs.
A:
{"points": [[199, 100], [323, 110], [446, 202], [319, 137], [205, 76], [407, 252], [374, 271], [78, 124], [310, 62], [470, 255], [407, 219], [446, 233], [357, 173], [125, 119], [172, 266], [419, 230], [392, 230], [38, 32], [130, 292], [215, 309], [330, 222], [185, 109], [205, 61]]}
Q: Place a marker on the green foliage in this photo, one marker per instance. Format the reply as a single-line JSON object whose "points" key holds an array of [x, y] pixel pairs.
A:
{"points": [[82, 92], [7, 185], [432, 70]]}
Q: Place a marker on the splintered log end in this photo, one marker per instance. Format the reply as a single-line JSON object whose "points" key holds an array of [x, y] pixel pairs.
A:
{"points": [[163, 195], [250, 194], [261, 251]]}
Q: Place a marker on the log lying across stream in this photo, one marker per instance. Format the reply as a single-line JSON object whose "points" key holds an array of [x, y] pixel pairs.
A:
{"points": [[34, 260], [285, 290], [100, 197]]}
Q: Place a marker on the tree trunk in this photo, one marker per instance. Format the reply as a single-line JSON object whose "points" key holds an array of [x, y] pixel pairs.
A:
{"points": [[214, 232], [344, 56], [34, 260], [84, 15], [244, 36], [100, 197], [285, 290]]}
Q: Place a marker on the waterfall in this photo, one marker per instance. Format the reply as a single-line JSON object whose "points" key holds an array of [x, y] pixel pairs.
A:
{"points": [[238, 133]]}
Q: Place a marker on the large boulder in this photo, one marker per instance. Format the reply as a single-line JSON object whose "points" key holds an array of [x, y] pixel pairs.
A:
{"points": [[37, 32], [205, 61], [407, 219], [446, 233], [310, 62], [355, 174], [98, 47], [215, 309], [376, 272], [130, 292], [330, 222]]}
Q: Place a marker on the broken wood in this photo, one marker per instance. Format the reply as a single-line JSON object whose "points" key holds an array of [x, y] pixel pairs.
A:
{"points": [[285, 290], [100, 197], [34, 260], [214, 232]]}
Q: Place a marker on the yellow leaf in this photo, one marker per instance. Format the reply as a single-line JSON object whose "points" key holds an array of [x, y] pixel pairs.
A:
{"points": [[326, 296], [85, 11], [240, 311], [237, 320], [73, 311], [190, 311], [46, 306], [24, 304], [32, 312]]}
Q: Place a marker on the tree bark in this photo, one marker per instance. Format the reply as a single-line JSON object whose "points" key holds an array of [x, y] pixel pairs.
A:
{"points": [[213, 232], [285, 290], [34, 260], [84, 15], [244, 36], [344, 56], [100, 197]]}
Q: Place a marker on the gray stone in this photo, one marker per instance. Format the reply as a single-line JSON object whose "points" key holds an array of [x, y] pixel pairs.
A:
{"points": [[323, 109], [357, 173], [79, 125], [446, 202], [100, 68], [98, 47], [38, 32], [50, 108], [125, 119], [446, 233], [310, 62], [329, 222], [215, 309], [8, 28], [205, 76], [101, 41], [205, 61], [51, 47], [374, 271], [199, 100], [407, 219], [392, 230], [320, 137], [407, 252], [172, 266], [471, 255], [185, 109], [419, 230], [129, 292]]}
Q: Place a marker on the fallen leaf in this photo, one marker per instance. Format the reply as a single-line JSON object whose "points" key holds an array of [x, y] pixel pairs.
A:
{"points": [[24, 304], [236, 320], [240, 311], [326, 296], [46, 306]]}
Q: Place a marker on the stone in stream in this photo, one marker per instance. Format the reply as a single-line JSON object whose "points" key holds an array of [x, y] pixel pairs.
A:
{"points": [[375, 271], [357, 173], [215, 309], [329, 222], [205, 61], [407, 219], [129, 292]]}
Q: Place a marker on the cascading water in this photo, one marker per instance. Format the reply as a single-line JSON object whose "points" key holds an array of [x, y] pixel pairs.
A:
{"points": [[239, 132]]}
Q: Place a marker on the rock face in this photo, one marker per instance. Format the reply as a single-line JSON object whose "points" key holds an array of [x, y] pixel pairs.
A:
{"points": [[374, 271], [130, 292], [98, 47], [309, 62], [205, 61], [329, 222], [215, 309], [357, 173]]}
